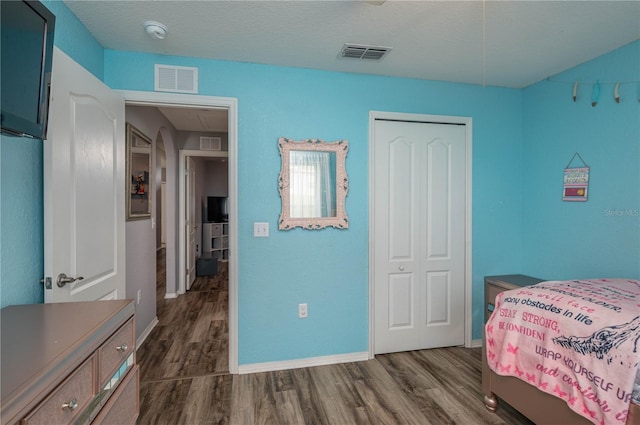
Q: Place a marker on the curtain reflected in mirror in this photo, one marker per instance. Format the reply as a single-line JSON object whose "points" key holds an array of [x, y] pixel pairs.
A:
{"points": [[312, 178], [313, 184]]}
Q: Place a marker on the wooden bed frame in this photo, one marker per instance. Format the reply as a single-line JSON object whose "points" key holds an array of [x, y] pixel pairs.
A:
{"points": [[538, 406]]}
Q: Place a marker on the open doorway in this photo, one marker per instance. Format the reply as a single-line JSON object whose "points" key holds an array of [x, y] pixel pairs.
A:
{"points": [[203, 211], [174, 217], [191, 340]]}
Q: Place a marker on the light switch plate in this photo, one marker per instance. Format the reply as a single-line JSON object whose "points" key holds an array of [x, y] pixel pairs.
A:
{"points": [[260, 230]]}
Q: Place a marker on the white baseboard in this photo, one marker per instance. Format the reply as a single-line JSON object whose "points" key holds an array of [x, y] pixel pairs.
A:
{"points": [[476, 343], [169, 295], [146, 332], [299, 363]]}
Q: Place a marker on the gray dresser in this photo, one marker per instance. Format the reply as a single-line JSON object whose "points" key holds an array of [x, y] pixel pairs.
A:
{"points": [[69, 363]]}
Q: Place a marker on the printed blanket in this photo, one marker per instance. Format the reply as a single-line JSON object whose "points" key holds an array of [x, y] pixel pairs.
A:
{"points": [[578, 340]]}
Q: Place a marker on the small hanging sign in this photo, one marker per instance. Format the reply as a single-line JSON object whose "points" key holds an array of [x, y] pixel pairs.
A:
{"points": [[576, 182]]}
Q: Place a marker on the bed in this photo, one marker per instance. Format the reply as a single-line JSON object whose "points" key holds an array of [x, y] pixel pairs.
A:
{"points": [[566, 352]]}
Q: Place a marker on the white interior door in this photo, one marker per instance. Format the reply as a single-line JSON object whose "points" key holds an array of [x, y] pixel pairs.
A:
{"points": [[419, 252], [190, 223], [84, 181]]}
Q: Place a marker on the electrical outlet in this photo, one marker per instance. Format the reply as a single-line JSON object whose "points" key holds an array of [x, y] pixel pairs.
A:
{"points": [[303, 311], [139, 298]]}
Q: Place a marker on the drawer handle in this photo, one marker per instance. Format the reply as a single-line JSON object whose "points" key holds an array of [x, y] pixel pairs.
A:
{"points": [[71, 405], [122, 348]]}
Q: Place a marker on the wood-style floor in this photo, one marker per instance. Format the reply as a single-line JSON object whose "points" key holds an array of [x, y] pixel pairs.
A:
{"points": [[184, 378], [191, 338]]}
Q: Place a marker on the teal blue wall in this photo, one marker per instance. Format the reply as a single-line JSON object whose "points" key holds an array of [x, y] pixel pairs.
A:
{"points": [[522, 140], [21, 221], [601, 237], [21, 211], [75, 40], [329, 269]]}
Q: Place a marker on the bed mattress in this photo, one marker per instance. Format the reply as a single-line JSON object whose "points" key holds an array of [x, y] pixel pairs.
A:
{"points": [[576, 340]]}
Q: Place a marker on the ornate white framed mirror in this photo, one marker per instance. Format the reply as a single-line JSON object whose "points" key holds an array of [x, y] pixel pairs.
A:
{"points": [[313, 184]]}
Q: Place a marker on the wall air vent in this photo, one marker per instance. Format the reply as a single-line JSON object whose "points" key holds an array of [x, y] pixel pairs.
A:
{"points": [[361, 51], [177, 79], [210, 143]]}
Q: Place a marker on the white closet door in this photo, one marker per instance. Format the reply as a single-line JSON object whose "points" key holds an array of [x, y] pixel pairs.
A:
{"points": [[420, 235]]}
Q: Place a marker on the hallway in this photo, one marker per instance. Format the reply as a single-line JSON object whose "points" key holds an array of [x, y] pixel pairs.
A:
{"points": [[187, 349]]}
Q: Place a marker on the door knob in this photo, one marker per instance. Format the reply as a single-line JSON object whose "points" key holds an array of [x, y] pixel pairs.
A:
{"points": [[63, 279], [401, 268]]}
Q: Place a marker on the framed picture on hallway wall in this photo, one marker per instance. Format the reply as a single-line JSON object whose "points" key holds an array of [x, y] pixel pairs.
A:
{"points": [[138, 174]]}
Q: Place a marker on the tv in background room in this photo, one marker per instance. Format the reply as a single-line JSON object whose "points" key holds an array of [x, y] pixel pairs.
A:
{"points": [[217, 209]]}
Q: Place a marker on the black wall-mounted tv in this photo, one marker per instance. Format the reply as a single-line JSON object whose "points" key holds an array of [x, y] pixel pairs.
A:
{"points": [[217, 209], [27, 29]]}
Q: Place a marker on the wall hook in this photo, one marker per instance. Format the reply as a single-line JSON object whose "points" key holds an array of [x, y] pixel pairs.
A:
{"points": [[595, 94]]}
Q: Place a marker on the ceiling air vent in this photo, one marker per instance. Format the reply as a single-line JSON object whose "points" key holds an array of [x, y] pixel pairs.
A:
{"points": [[210, 143], [360, 51], [178, 79]]}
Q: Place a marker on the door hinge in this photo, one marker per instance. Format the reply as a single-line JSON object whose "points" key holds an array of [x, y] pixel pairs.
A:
{"points": [[46, 282]]}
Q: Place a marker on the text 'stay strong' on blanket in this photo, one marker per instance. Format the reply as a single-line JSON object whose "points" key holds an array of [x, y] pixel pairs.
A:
{"points": [[577, 340]]}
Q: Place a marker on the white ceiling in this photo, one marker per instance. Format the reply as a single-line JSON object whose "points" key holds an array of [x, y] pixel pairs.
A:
{"points": [[200, 120], [494, 43]]}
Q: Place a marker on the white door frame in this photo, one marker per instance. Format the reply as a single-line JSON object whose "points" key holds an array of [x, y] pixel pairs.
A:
{"points": [[182, 219], [190, 206], [397, 116], [155, 99]]}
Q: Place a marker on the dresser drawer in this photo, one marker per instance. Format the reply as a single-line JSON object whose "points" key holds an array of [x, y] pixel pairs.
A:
{"points": [[124, 405], [493, 285], [115, 351], [67, 400], [492, 293]]}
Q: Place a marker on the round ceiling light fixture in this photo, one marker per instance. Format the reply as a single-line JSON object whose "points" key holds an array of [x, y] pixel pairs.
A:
{"points": [[155, 30]]}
